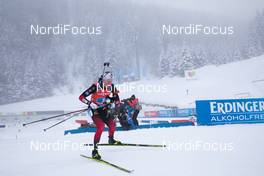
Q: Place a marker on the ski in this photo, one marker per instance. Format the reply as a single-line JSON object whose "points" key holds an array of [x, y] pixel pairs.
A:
{"points": [[127, 144], [108, 163]]}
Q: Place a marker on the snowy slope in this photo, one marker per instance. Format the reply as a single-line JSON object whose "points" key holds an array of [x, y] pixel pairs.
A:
{"points": [[243, 156], [234, 80], [193, 151]]}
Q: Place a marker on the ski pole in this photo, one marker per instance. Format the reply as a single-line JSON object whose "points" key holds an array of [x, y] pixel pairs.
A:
{"points": [[63, 120], [105, 64], [52, 117], [102, 76]]}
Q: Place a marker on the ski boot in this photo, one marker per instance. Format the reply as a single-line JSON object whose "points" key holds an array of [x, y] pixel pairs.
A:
{"points": [[112, 141], [95, 154]]}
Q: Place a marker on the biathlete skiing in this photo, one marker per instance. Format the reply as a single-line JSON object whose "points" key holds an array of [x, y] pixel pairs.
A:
{"points": [[104, 95]]}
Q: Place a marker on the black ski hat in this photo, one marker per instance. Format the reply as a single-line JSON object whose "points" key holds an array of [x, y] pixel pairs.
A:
{"points": [[133, 97]]}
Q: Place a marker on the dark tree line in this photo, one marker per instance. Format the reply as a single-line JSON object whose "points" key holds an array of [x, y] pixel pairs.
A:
{"points": [[33, 66], [175, 59]]}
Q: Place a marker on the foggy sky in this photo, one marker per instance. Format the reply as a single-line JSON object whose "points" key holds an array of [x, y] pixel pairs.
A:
{"points": [[240, 9]]}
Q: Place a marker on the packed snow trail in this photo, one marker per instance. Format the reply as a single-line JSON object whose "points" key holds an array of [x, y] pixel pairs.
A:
{"points": [[18, 144], [245, 142]]}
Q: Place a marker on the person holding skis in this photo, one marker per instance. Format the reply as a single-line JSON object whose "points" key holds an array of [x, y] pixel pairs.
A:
{"points": [[103, 96]]}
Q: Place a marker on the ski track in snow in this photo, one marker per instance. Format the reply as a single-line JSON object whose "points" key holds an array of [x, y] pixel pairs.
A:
{"points": [[19, 159]]}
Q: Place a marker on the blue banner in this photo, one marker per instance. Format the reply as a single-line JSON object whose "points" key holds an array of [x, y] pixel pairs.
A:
{"points": [[230, 111], [166, 113], [171, 113], [185, 112]]}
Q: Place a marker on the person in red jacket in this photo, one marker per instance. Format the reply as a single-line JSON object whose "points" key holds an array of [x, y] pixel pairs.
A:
{"points": [[134, 103], [103, 95]]}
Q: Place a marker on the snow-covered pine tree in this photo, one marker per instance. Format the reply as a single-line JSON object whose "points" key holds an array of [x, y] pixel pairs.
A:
{"points": [[254, 48], [260, 29], [174, 59], [187, 62], [236, 55], [164, 65], [225, 57], [92, 69], [199, 58], [256, 36]]}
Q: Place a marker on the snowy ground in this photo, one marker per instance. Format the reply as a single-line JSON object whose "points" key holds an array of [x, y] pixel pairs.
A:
{"points": [[218, 150], [238, 152]]}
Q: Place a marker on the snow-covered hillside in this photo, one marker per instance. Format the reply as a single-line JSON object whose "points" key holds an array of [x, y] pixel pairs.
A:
{"points": [[234, 80], [192, 151]]}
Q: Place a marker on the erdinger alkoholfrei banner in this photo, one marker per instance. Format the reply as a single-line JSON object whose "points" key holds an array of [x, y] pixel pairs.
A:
{"points": [[230, 111]]}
